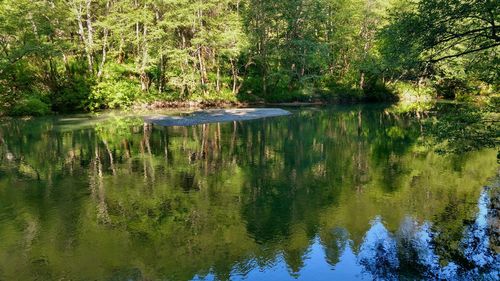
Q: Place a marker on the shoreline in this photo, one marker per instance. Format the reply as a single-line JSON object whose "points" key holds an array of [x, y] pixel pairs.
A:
{"points": [[201, 105], [224, 104]]}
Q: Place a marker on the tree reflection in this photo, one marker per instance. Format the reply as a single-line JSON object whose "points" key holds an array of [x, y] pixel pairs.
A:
{"points": [[221, 200], [378, 252], [410, 252], [476, 244]]}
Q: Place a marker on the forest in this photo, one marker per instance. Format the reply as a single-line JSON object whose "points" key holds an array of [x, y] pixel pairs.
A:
{"points": [[87, 55], [384, 166]]}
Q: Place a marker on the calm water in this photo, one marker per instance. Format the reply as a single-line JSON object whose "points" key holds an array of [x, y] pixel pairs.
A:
{"points": [[343, 193]]}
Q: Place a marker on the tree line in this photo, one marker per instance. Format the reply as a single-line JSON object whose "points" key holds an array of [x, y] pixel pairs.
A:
{"points": [[72, 55]]}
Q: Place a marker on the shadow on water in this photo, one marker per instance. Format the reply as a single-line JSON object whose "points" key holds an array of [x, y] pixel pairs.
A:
{"points": [[345, 192]]}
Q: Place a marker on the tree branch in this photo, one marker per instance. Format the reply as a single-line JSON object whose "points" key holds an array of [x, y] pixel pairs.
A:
{"points": [[465, 53]]}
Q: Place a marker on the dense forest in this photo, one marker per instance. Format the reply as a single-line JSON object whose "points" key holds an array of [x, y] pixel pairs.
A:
{"points": [[80, 55]]}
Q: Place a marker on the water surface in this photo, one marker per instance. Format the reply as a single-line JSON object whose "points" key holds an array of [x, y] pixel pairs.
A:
{"points": [[337, 193]]}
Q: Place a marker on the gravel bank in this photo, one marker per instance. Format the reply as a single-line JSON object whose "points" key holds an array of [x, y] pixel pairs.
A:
{"points": [[217, 116]]}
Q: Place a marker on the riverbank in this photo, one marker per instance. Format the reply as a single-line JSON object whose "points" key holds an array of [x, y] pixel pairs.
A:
{"points": [[409, 101], [225, 104]]}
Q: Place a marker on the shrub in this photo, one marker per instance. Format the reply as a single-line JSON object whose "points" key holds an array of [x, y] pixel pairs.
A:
{"points": [[30, 106], [378, 92], [71, 94], [408, 91], [113, 94], [449, 88]]}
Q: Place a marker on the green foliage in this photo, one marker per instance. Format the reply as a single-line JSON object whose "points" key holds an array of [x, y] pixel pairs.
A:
{"points": [[408, 91], [412, 108], [30, 106], [113, 94], [94, 54], [453, 43], [71, 94], [465, 127]]}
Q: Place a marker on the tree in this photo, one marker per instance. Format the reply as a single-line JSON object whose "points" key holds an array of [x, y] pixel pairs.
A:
{"points": [[426, 33]]}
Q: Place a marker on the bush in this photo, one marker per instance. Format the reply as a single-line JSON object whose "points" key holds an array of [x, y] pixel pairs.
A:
{"points": [[450, 88], [113, 94], [378, 92], [71, 94], [408, 91], [30, 106], [332, 90], [225, 95]]}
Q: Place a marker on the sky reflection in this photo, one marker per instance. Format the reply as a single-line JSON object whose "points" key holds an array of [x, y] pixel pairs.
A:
{"points": [[382, 255]]}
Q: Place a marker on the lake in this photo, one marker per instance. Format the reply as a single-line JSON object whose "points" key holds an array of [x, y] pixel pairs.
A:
{"points": [[328, 193]]}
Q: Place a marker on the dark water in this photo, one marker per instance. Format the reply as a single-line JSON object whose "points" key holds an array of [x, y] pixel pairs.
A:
{"points": [[343, 193]]}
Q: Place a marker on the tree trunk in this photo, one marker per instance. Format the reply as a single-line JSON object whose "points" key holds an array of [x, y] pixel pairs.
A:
{"points": [[144, 76], [90, 34], [362, 80], [235, 76], [121, 53], [218, 77], [83, 37], [104, 47], [201, 64], [160, 76], [104, 44]]}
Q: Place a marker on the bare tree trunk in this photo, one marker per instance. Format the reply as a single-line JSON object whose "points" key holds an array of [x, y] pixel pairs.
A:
{"points": [[83, 36], [185, 64], [362, 78], [104, 47], [235, 76], [144, 76], [216, 62], [90, 34], [202, 70], [121, 53], [160, 76], [104, 44], [66, 65], [201, 59], [137, 39]]}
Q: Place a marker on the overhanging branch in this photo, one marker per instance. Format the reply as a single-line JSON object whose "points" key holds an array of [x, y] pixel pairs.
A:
{"points": [[464, 53]]}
